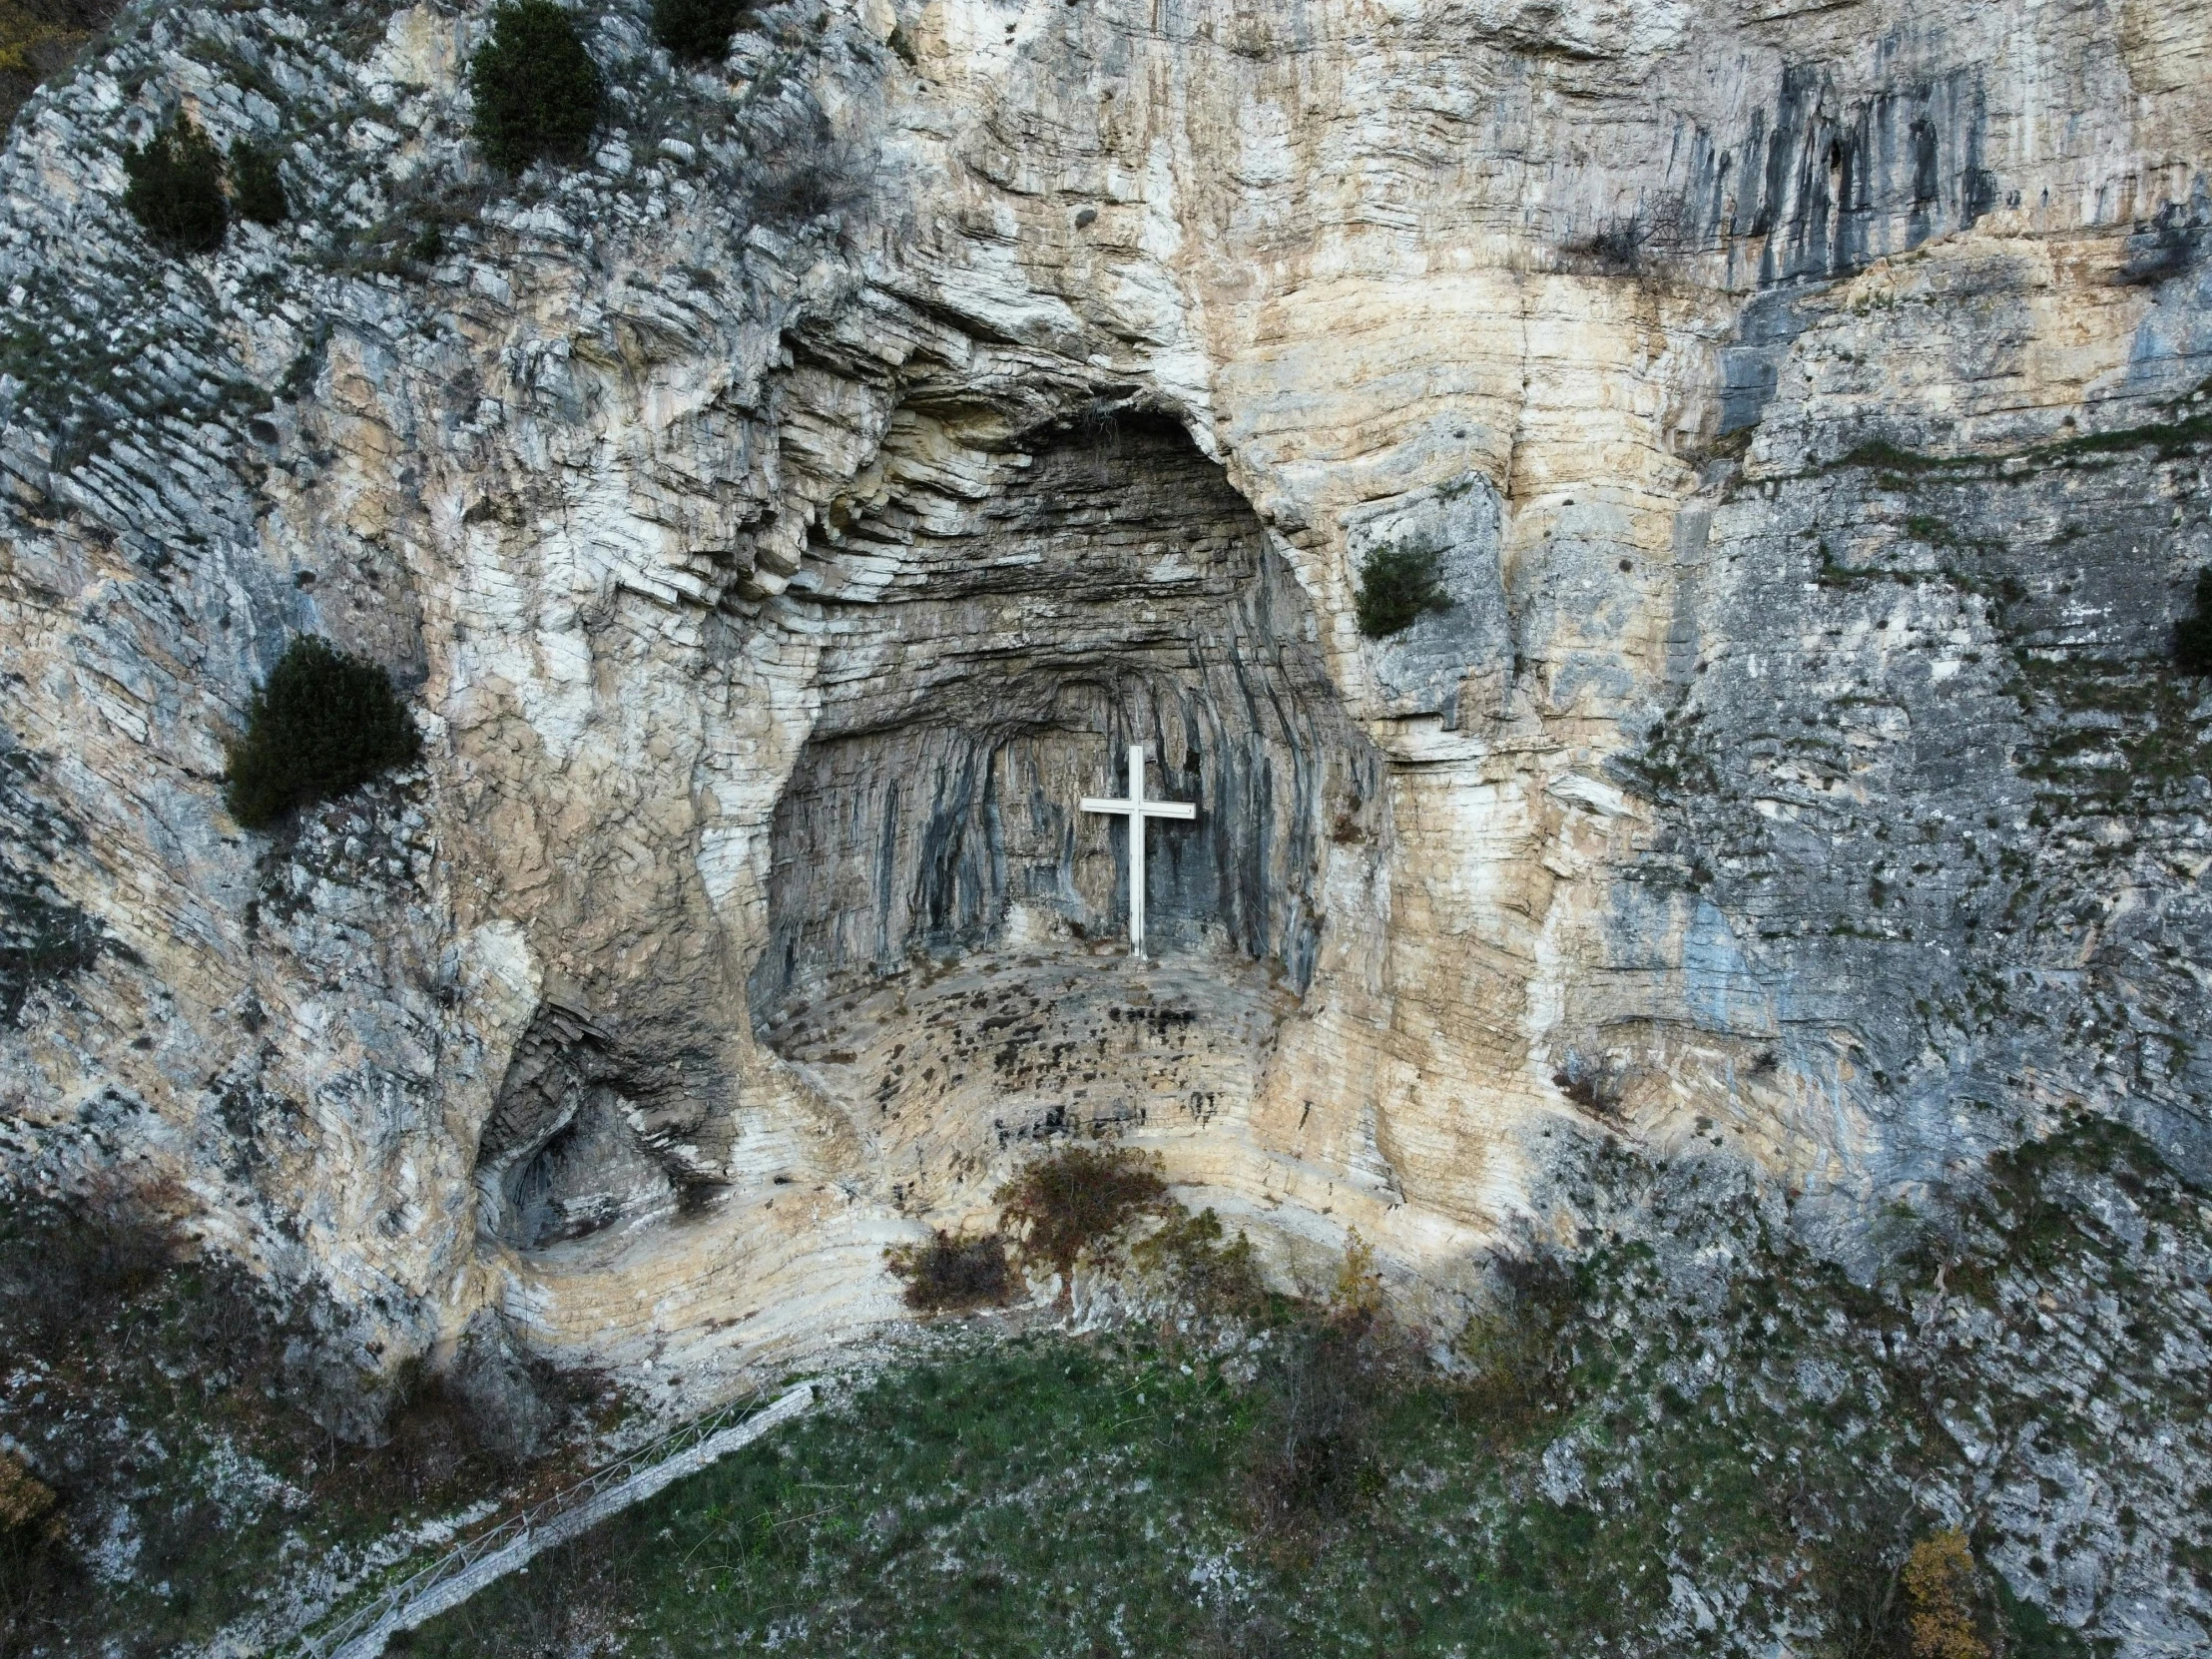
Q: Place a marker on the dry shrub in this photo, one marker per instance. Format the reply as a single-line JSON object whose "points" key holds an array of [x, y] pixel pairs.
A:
{"points": [[808, 183], [1319, 1452], [481, 1417], [1939, 1593], [1074, 1202], [1188, 1258], [39, 1581], [569, 1603], [427, 1443], [70, 1265], [24, 1497], [954, 1276]]}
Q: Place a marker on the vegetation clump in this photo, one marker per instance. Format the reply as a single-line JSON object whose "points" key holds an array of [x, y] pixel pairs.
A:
{"points": [[39, 38], [176, 188], [257, 188], [133, 1336], [24, 1497], [538, 94], [1631, 1435], [954, 1276], [1188, 1258], [2193, 633], [1319, 1452], [1397, 584], [1073, 1202], [1940, 1584], [325, 723], [697, 31]]}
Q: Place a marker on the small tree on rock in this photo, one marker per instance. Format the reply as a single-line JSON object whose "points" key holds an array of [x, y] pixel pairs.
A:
{"points": [[325, 722], [697, 31], [538, 94], [1397, 584], [176, 188], [257, 188]]}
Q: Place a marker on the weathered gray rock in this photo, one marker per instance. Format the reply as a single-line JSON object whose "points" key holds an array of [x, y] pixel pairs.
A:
{"points": [[781, 519]]}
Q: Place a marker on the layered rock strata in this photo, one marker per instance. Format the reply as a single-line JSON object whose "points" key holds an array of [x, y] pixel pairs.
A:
{"points": [[781, 519]]}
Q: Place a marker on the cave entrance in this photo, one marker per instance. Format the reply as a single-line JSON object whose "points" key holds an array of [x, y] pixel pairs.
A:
{"points": [[1003, 621]]}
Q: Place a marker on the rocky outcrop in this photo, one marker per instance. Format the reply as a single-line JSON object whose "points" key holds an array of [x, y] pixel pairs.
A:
{"points": [[782, 519]]}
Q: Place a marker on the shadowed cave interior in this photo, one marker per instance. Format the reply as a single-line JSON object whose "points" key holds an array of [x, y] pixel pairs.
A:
{"points": [[991, 655]]}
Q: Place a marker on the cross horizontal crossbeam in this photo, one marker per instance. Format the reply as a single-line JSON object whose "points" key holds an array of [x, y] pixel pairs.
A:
{"points": [[1137, 808]]}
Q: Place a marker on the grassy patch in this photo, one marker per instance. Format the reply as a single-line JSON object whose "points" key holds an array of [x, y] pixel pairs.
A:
{"points": [[1633, 1455]]}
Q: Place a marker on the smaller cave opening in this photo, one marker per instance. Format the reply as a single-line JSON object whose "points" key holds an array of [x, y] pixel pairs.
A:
{"points": [[582, 1137]]}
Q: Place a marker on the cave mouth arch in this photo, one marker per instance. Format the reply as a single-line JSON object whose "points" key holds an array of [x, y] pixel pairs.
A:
{"points": [[1001, 623]]}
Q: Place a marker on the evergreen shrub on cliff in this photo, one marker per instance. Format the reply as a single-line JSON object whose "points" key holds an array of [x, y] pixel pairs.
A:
{"points": [[176, 188], [256, 191], [1397, 584], [2193, 634], [538, 94], [697, 31], [325, 723]]}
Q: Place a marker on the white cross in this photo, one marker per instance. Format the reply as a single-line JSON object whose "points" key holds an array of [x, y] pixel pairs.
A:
{"points": [[1137, 808]]}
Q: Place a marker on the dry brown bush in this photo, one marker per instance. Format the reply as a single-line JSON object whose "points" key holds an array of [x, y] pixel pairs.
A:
{"points": [[24, 1497], [954, 1276], [1190, 1261], [1940, 1586], [1076, 1201]]}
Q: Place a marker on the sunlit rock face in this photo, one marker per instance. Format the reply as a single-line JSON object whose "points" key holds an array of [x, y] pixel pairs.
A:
{"points": [[779, 534]]}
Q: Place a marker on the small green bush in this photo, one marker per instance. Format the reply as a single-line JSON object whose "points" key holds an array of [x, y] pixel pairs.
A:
{"points": [[1397, 584], [176, 188], [2193, 634], [1188, 1257], [257, 189], [697, 31], [538, 94], [325, 723]]}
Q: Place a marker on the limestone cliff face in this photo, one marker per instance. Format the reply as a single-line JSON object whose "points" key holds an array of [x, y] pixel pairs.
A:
{"points": [[780, 521]]}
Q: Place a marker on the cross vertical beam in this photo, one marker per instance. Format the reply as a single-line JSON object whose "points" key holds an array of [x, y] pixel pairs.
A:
{"points": [[1137, 808]]}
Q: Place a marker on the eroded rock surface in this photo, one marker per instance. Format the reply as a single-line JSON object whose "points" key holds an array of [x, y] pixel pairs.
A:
{"points": [[783, 518]]}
